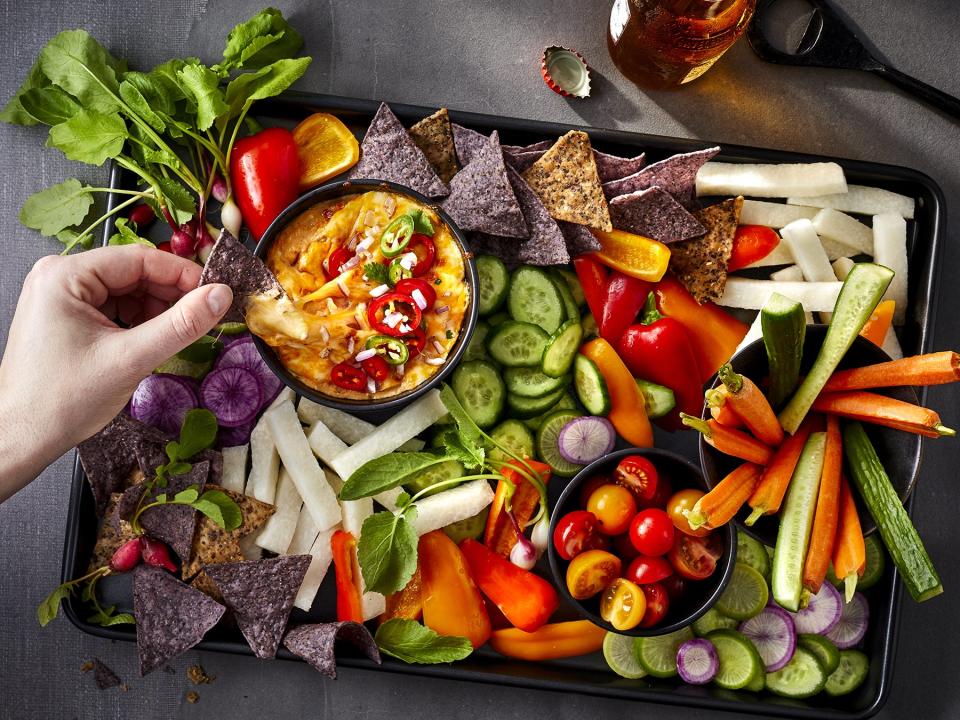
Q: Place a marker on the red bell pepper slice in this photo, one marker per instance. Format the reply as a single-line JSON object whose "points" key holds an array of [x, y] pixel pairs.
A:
{"points": [[750, 244], [592, 275], [344, 548], [527, 600], [265, 174], [624, 297]]}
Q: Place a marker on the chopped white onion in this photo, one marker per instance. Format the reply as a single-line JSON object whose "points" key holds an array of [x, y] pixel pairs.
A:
{"points": [[331, 305], [324, 333], [350, 345], [408, 260], [365, 244], [419, 299], [371, 385], [369, 218], [365, 355], [350, 264], [379, 290], [404, 328], [437, 346], [343, 288], [436, 361], [393, 319], [442, 309], [401, 369], [389, 205]]}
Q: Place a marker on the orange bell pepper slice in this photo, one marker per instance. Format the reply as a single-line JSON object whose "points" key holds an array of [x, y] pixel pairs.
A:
{"points": [[713, 332], [347, 571], [452, 605], [326, 148], [407, 603], [627, 409], [877, 327], [550, 642], [633, 255], [499, 534]]}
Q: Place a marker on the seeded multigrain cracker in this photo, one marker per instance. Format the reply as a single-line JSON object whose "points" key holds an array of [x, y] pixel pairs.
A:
{"points": [[113, 533], [434, 136], [701, 264], [567, 182]]}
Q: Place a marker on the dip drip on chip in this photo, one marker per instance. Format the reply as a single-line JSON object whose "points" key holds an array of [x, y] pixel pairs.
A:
{"points": [[701, 264], [231, 263], [315, 643], [677, 175], [434, 137], [654, 213], [171, 616]]}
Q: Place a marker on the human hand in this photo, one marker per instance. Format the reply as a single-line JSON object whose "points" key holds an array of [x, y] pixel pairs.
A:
{"points": [[68, 368]]}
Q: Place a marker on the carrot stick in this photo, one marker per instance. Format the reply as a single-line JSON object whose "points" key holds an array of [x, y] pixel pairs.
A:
{"points": [[883, 410], [718, 506], [824, 530], [768, 495], [730, 440], [877, 327], [749, 402], [849, 551], [930, 369], [720, 409]]}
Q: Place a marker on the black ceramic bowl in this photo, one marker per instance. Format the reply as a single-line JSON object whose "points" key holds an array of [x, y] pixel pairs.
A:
{"points": [[699, 596], [381, 408], [898, 451]]}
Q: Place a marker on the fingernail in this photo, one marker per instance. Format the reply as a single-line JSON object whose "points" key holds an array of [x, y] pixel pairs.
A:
{"points": [[219, 299]]}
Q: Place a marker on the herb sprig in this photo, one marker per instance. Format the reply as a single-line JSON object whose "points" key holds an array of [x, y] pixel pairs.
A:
{"points": [[411, 642]]}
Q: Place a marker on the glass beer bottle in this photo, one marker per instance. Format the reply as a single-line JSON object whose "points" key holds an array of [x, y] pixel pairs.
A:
{"points": [[664, 43]]}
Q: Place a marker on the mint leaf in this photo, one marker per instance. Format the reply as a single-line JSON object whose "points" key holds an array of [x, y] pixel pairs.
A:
{"points": [[421, 223], [14, 112], [203, 85], [48, 609], [261, 40], [57, 208], [469, 431], [264, 83], [198, 432], [49, 105], [411, 642], [188, 496], [386, 472], [376, 272], [126, 235], [76, 62], [219, 507], [203, 350], [472, 456], [90, 137], [387, 551]]}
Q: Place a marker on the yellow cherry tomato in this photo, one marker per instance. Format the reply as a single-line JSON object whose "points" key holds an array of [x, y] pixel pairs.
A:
{"points": [[678, 503], [590, 572], [623, 604], [614, 508]]}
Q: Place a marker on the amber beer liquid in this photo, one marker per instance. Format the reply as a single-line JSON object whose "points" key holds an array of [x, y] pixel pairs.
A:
{"points": [[664, 43]]}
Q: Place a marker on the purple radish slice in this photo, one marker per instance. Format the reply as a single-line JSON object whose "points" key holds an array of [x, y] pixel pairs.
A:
{"points": [[233, 395], [852, 627], [585, 439], [243, 354], [822, 613], [162, 401], [232, 436], [697, 661], [774, 636]]}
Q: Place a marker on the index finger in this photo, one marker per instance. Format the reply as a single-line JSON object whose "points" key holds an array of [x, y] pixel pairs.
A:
{"points": [[111, 270]]}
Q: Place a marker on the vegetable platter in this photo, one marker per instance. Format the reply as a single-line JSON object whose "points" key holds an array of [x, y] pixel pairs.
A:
{"points": [[590, 674]]}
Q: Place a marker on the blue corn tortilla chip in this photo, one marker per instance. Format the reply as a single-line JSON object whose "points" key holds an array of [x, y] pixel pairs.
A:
{"points": [[520, 161], [261, 593], [103, 676], [389, 153], [539, 145], [578, 238], [315, 643], [232, 263], [654, 213], [481, 197], [677, 175], [467, 143], [434, 137], [613, 167], [171, 616]]}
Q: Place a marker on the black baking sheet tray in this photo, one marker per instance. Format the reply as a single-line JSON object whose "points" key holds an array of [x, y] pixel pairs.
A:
{"points": [[589, 674]]}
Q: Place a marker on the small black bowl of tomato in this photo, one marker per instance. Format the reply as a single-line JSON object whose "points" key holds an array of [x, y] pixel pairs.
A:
{"points": [[622, 552]]}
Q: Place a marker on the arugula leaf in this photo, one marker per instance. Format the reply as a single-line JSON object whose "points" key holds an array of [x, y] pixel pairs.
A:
{"points": [[422, 223], [57, 207], [197, 433], [201, 351], [203, 85], [14, 112], [126, 235], [80, 65], [49, 105], [411, 642], [266, 82], [376, 272], [48, 609], [469, 430], [218, 506], [387, 551], [261, 40], [386, 472], [90, 137]]}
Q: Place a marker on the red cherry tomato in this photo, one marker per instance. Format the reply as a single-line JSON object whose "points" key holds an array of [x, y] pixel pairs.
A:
{"points": [[416, 341], [614, 507], [685, 500], [408, 285], [578, 531], [586, 490], [658, 602], [751, 243], [376, 367], [348, 377], [336, 259], [675, 585], [695, 557], [165, 246], [623, 546], [423, 247], [660, 497], [638, 475], [651, 532], [646, 569]]}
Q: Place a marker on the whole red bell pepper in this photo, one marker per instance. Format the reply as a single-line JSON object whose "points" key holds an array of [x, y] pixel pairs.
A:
{"points": [[265, 174], [592, 275], [659, 349], [344, 548], [624, 297], [525, 599]]}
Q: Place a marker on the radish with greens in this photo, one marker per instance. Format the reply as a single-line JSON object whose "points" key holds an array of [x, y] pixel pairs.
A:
{"points": [[822, 613], [585, 439], [697, 661], [163, 401], [853, 623], [233, 395], [774, 636]]}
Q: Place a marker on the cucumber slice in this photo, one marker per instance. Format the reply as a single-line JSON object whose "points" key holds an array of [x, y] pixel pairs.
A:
{"points": [[547, 443], [562, 348], [531, 382], [480, 390], [712, 620], [658, 654], [740, 663], [852, 670], [494, 284], [589, 325], [657, 399], [746, 594], [570, 306], [620, 657], [758, 683], [753, 553], [533, 298], [566, 402], [784, 329], [802, 677], [498, 318], [477, 349], [590, 385], [514, 435], [573, 283], [447, 470], [827, 653], [517, 344], [875, 563], [521, 407], [472, 527]]}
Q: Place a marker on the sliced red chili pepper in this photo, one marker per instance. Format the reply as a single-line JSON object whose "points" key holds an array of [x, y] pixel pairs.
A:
{"points": [[376, 367], [378, 309], [336, 259], [423, 247], [348, 377], [416, 341], [408, 285]]}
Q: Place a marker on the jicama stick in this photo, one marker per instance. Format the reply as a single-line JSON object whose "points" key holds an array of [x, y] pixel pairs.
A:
{"points": [[824, 530], [304, 534], [235, 467], [249, 548], [779, 256], [345, 426], [752, 294], [729, 441], [281, 526], [791, 273], [321, 555], [937, 368], [804, 244], [839, 227], [882, 410], [861, 200], [787, 179], [324, 443], [754, 333], [718, 506], [264, 464], [749, 402], [842, 267], [450, 506], [890, 249], [773, 214], [876, 328], [849, 550], [770, 491]]}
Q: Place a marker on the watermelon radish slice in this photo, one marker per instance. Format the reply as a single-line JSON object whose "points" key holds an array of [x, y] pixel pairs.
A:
{"points": [[822, 613], [233, 395], [585, 439], [243, 354], [774, 636], [162, 401], [853, 623], [697, 661]]}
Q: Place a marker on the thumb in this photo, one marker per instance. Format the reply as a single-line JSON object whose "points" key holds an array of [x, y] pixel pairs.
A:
{"points": [[195, 314]]}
